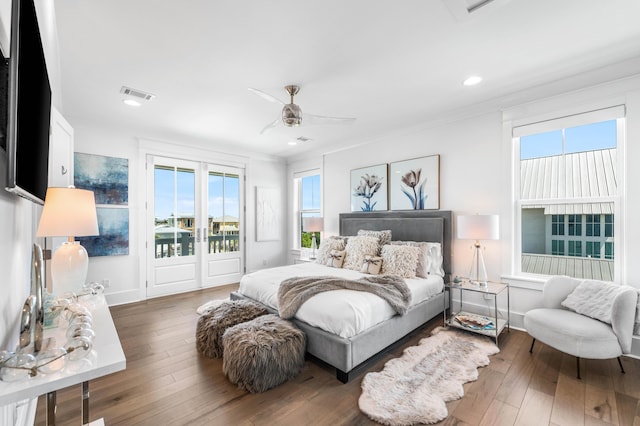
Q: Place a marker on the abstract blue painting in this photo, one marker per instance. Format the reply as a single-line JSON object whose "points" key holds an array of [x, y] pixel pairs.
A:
{"points": [[107, 177], [113, 225]]}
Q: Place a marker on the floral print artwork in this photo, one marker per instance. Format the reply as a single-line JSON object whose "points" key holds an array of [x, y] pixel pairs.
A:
{"points": [[415, 184], [369, 189], [412, 181]]}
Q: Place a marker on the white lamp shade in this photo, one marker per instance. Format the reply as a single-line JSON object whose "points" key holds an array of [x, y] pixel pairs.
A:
{"points": [[68, 212], [313, 224], [478, 227]]}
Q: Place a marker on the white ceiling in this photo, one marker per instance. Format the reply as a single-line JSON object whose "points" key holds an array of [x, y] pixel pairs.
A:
{"points": [[391, 64]]}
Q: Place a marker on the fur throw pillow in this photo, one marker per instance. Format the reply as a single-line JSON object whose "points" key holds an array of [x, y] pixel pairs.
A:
{"points": [[384, 237], [594, 299], [400, 260], [357, 248], [326, 246]]}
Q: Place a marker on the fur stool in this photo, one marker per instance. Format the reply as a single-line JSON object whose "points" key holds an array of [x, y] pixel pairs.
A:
{"points": [[213, 324], [262, 353]]}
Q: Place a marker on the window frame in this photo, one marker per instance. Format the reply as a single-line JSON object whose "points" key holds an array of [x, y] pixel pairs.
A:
{"points": [[548, 123], [298, 211]]}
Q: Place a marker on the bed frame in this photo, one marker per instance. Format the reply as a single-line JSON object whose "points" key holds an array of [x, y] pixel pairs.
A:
{"points": [[351, 355]]}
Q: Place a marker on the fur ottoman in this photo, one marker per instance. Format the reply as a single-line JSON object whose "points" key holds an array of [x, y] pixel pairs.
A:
{"points": [[262, 353], [212, 325]]}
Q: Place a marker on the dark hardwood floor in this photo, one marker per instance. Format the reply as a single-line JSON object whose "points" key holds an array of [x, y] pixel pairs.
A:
{"points": [[168, 383]]}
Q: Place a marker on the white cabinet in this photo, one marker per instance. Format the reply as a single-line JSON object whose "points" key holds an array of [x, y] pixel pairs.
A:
{"points": [[60, 151]]}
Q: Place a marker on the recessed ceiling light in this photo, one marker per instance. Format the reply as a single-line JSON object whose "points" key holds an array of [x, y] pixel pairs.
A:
{"points": [[292, 143], [473, 80], [132, 102]]}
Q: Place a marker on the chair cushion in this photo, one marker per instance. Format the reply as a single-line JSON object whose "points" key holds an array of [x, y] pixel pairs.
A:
{"points": [[572, 333]]}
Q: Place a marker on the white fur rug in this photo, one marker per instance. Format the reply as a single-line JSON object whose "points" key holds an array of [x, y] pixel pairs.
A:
{"points": [[414, 388]]}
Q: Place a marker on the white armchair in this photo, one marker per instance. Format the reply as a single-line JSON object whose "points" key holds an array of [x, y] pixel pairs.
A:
{"points": [[580, 335]]}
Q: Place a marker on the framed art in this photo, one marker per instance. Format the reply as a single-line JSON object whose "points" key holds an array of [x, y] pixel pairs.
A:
{"points": [[369, 189], [107, 177], [267, 214], [415, 184], [113, 224]]}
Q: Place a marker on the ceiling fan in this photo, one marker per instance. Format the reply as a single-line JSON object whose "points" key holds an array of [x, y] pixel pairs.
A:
{"points": [[292, 115]]}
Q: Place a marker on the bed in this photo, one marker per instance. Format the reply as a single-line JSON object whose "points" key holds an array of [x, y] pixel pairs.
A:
{"points": [[350, 352]]}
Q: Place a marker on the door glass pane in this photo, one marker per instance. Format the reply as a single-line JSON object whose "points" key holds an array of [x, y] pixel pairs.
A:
{"points": [[223, 213], [174, 211]]}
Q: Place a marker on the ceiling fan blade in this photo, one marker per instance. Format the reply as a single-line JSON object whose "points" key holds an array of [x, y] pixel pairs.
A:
{"points": [[271, 126], [313, 119], [266, 96]]}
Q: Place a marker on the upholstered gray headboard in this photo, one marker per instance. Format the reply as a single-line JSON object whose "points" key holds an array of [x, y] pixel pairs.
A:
{"points": [[413, 225]]}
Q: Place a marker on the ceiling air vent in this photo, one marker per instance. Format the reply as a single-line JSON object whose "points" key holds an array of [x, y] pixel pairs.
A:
{"points": [[137, 93]]}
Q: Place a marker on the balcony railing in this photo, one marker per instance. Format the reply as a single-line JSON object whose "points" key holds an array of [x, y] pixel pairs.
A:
{"points": [[184, 245]]}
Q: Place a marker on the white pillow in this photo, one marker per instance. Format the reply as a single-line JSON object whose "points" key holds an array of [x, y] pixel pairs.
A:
{"points": [[594, 299], [326, 246], [400, 260], [357, 248], [434, 264]]}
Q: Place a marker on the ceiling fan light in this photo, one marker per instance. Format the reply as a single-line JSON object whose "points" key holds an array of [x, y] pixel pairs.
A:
{"points": [[291, 115]]}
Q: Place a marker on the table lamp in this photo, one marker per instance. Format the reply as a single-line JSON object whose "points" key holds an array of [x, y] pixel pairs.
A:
{"points": [[313, 225], [478, 227], [68, 212]]}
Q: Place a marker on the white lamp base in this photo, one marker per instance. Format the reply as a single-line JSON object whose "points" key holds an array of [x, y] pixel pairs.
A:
{"points": [[69, 266]]}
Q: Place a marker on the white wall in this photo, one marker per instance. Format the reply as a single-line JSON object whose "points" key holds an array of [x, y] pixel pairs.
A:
{"points": [[475, 177], [126, 276], [470, 178]]}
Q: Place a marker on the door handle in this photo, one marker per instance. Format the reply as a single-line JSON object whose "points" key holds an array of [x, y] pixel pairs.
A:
{"points": [[197, 235], [63, 170], [205, 236]]}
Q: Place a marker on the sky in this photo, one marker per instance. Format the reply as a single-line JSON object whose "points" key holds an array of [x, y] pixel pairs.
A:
{"points": [[223, 197], [576, 139]]}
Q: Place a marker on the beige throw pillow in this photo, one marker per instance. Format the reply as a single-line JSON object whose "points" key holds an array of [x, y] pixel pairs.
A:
{"points": [[384, 237], [336, 258], [357, 248], [326, 246], [371, 265], [400, 260]]}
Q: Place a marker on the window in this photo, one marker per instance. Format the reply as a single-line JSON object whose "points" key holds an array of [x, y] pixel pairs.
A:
{"points": [[307, 186], [568, 194]]}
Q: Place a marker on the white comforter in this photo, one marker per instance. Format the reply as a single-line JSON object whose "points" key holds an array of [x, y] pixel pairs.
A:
{"points": [[342, 312]]}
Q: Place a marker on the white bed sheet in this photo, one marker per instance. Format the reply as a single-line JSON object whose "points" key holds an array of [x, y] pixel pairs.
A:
{"points": [[342, 312]]}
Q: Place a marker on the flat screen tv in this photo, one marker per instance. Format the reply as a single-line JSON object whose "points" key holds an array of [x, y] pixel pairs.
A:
{"points": [[28, 106]]}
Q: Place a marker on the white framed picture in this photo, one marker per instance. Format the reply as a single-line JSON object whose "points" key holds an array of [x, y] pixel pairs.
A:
{"points": [[267, 214], [415, 184], [369, 189]]}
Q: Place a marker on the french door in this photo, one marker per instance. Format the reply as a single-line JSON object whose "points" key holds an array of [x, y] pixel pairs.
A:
{"points": [[195, 225]]}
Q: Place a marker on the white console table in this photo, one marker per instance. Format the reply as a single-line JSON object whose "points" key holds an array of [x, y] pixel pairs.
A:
{"points": [[106, 357]]}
